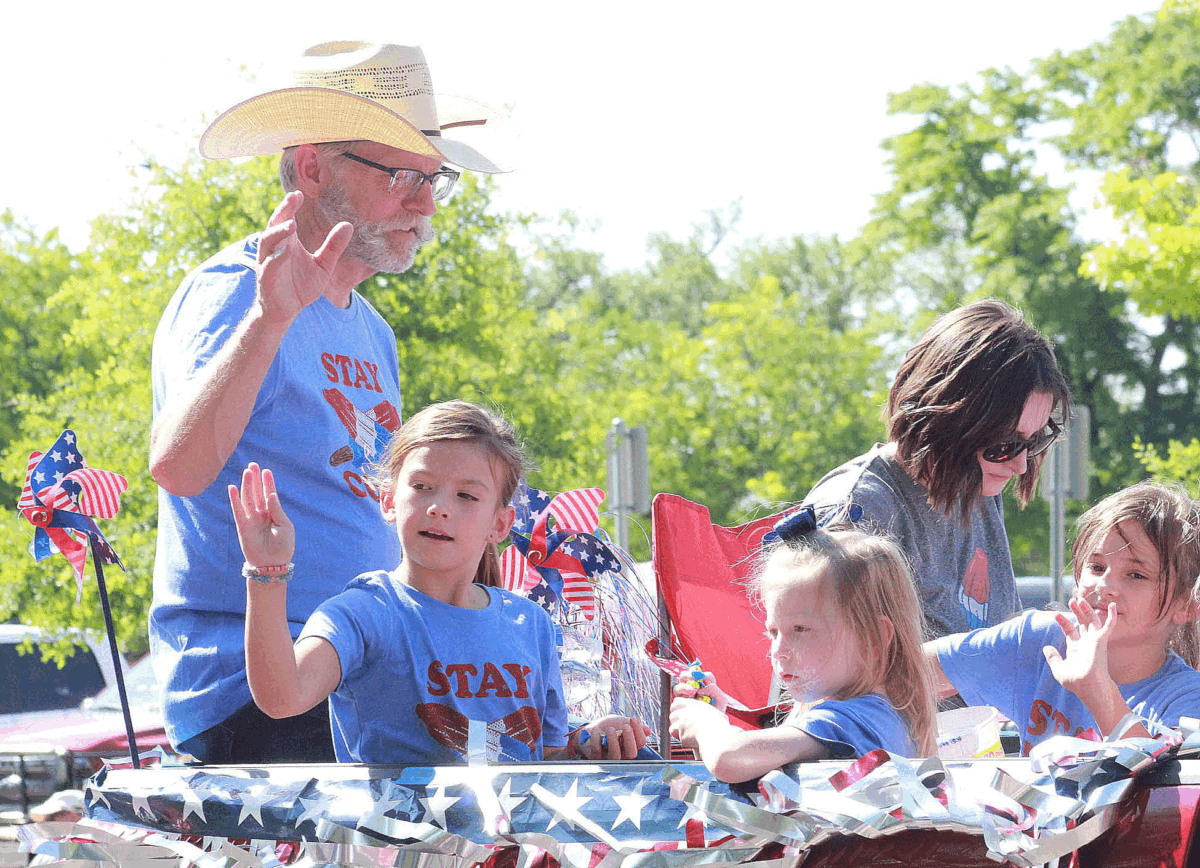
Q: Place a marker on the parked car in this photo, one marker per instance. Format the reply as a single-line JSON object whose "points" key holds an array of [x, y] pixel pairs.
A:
{"points": [[44, 751], [33, 685], [1035, 590]]}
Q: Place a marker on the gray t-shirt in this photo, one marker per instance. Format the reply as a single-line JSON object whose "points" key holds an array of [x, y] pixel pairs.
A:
{"points": [[963, 572]]}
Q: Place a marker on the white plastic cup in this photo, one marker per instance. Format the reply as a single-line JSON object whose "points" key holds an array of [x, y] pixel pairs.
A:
{"points": [[969, 733]]}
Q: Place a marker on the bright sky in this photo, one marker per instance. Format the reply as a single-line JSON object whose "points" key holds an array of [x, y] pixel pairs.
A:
{"points": [[638, 116]]}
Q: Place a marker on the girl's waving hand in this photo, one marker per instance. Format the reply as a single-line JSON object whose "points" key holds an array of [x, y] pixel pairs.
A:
{"points": [[264, 531], [1084, 669]]}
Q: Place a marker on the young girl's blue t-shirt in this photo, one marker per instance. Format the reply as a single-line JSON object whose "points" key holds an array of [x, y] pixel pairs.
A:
{"points": [[424, 682], [1003, 666], [850, 728]]}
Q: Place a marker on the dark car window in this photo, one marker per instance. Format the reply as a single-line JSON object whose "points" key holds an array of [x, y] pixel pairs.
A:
{"points": [[30, 683]]}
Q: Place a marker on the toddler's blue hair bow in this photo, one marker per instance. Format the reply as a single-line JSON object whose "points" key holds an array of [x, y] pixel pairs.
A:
{"points": [[799, 522]]}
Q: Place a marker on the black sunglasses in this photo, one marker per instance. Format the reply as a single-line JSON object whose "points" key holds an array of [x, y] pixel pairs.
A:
{"points": [[998, 453]]}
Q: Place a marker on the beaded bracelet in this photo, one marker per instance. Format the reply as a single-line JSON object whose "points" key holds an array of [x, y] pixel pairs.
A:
{"points": [[270, 575]]}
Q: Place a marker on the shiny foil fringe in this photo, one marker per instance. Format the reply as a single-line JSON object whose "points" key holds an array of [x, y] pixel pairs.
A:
{"points": [[635, 815]]}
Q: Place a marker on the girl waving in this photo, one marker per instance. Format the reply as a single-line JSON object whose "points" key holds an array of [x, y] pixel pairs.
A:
{"points": [[1137, 561], [431, 663]]}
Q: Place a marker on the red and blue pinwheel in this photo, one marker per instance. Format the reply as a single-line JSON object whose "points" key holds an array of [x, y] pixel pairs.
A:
{"points": [[559, 564], [60, 497]]}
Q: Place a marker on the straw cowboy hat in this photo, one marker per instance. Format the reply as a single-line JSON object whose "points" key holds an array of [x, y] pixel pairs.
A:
{"points": [[352, 90]]}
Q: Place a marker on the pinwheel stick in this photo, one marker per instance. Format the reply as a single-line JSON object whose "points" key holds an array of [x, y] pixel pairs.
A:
{"points": [[98, 561]]}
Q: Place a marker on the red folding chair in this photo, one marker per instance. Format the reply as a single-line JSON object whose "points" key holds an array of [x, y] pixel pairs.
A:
{"points": [[700, 569]]}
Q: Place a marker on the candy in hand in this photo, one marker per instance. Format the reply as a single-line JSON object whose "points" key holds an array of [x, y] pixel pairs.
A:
{"points": [[696, 678]]}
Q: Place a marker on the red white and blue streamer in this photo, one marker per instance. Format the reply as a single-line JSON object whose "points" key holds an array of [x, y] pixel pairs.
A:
{"points": [[1023, 812]]}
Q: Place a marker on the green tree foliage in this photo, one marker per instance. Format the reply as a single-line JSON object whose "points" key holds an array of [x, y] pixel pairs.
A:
{"points": [[1155, 264], [1139, 123], [1126, 99], [972, 213], [458, 316], [1129, 105], [750, 385], [114, 292], [1156, 261], [755, 369], [1181, 463], [464, 331], [33, 318]]}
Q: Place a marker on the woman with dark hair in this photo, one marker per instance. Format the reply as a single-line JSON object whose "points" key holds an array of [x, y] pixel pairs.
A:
{"points": [[975, 403]]}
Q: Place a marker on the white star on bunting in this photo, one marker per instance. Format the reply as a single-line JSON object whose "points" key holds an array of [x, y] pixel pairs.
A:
{"points": [[193, 803], [252, 803], [570, 801], [97, 796], [314, 809], [436, 804], [508, 801], [692, 813], [632, 805], [141, 806]]}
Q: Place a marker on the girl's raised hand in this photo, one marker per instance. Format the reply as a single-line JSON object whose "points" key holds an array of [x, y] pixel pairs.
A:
{"points": [[1085, 666], [264, 531]]}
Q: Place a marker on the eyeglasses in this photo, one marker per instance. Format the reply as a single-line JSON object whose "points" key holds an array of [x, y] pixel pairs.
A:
{"points": [[406, 182], [998, 453]]}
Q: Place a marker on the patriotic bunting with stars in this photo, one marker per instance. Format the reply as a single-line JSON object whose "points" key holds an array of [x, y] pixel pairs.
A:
{"points": [[874, 810], [555, 804]]}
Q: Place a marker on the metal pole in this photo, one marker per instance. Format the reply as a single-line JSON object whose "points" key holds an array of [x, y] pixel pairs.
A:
{"points": [[620, 473], [1058, 520], [664, 681]]}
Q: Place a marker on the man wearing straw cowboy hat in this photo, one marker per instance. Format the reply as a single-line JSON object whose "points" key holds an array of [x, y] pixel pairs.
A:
{"points": [[268, 353]]}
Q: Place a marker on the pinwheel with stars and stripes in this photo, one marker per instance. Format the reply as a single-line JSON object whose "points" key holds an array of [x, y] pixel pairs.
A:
{"points": [[555, 553], [61, 498], [562, 560]]}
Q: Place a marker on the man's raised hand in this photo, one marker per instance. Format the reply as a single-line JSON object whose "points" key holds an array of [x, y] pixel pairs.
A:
{"points": [[290, 277]]}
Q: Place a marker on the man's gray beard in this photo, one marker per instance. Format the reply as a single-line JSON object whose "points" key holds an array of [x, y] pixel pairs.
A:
{"points": [[369, 243]]}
